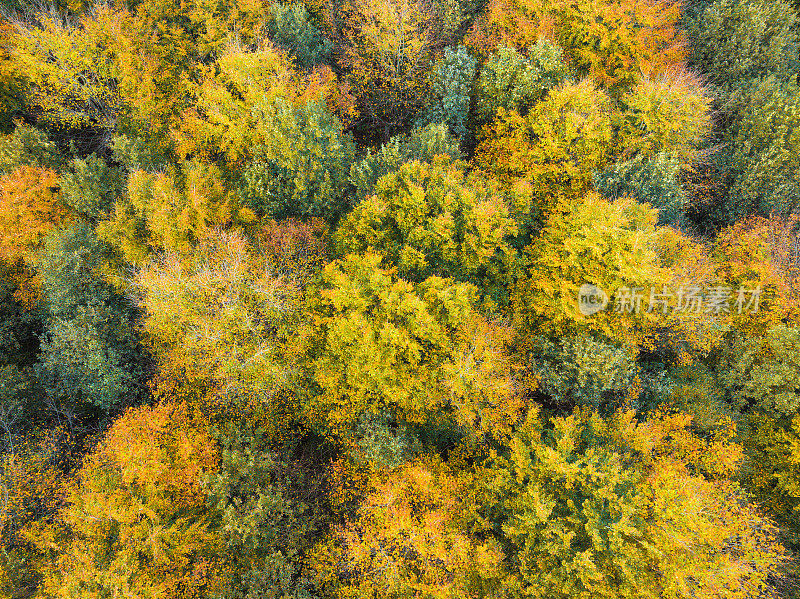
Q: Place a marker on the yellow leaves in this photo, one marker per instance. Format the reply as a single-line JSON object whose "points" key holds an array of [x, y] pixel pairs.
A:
{"points": [[667, 114], [70, 75], [405, 542], [611, 245], [233, 94], [745, 258], [559, 145], [217, 318], [611, 42]]}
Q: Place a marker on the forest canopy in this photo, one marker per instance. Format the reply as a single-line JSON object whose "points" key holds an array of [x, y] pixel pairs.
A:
{"points": [[405, 299]]}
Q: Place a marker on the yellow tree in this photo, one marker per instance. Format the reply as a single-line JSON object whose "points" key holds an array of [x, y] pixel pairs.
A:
{"points": [[405, 541], [557, 147], [136, 519]]}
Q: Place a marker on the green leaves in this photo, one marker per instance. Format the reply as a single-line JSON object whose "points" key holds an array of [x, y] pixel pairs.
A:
{"points": [[515, 82], [763, 373], [431, 219], [451, 85], [301, 167]]}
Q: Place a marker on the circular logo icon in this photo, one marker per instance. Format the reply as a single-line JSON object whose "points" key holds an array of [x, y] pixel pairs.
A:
{"points": [[591, 299]]}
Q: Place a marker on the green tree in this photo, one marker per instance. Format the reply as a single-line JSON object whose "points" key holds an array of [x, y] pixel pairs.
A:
{"points": [[29, 146], [301, 167], [515, 81], [652, 181], [91, 186], [738, 42], [763, 157], [583, 371], [451, 87], [270, 510], [290, 27], [420, 144], [433, 219], [90, 355]]}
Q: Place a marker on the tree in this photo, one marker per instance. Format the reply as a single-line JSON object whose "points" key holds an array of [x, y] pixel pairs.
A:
{"points": [[30, 207], [668, 114], [610, 245], [169, 212], [744, 258], [91, 186], [290, 27], [451, 86], [406, 541], [253, 108], [137, 519], [90, 356], [583, 371], [433, 219], [28, 146], [556, 147], [217, 322], [515, 81], [611, 42], [762, 373], [71, 80], [651, 181], [421, 144], [302, 165], [10, 88], [738, 42], [592, 507], [270, 512], [387, 49], [375, 344], [763, 157]]}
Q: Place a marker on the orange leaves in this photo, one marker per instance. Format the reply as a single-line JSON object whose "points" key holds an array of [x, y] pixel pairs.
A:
{"points": [[611, 42], [163, 451], [29, 208], [137, 517], [294, 249]]}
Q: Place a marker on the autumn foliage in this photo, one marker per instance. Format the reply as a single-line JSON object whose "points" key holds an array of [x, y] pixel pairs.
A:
{"points": [[411, 299]]}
